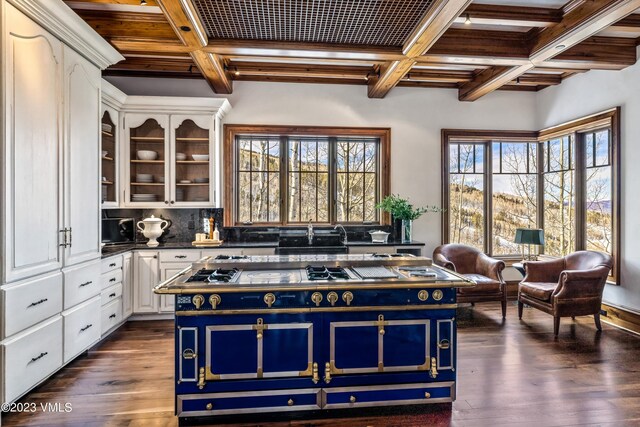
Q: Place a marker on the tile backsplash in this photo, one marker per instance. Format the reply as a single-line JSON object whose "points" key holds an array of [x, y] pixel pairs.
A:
{"points": [[183, 223]]}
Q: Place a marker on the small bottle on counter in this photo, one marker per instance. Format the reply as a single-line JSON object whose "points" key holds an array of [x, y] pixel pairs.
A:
{"points": [[216, 234], [211, 227]]}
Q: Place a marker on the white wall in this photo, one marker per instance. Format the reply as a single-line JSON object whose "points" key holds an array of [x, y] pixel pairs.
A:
{"points": [[415, 116], [590, 93]]}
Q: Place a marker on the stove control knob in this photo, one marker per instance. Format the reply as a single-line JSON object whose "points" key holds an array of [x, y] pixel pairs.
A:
{"points": [[437, 295], [423, 295], [316, 298], [269, 299], [347, 297], [198, 300], [332, 297], [215, 301]]}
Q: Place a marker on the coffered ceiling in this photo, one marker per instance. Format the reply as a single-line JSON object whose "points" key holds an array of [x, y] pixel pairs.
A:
{"points": [[475, 47]]}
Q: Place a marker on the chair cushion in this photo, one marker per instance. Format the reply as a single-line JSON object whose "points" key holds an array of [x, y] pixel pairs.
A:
{"points": [[538, 290], [483, 285]]}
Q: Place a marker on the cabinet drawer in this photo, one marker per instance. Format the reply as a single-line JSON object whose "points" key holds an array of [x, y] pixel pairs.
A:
{"points": [[111, 263], [189, 255], [111, 278], [31, 357], [388, 395], [111, 314], [372, 249], [81, 283], [30, 302], [190, 405], [111, 293], [258, 251], [81, 327]]}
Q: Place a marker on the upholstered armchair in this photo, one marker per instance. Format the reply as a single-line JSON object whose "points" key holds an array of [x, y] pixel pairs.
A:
{"points": [[475, 265], [569, 286]]}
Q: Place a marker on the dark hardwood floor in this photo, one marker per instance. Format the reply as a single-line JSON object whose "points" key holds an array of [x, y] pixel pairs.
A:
{"points": [[509, 373]]}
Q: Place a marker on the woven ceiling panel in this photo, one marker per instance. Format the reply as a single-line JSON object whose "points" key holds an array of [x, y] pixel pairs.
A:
{"points": [[360, 22]]}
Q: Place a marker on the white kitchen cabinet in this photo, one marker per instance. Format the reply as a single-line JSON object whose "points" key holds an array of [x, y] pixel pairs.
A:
{"points": [[127, 285], [147, 276], [81, 158], [168, 126], [110, 136], [50, 94], [32, 140], [167, 302]]}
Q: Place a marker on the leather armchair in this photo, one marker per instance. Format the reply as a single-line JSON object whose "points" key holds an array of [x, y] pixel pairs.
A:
{"points": [[475, 265], [569, 286]]}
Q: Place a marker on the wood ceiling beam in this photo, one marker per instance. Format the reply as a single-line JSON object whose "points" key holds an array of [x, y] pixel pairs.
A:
{"points": [[183, 17], [439, 17], [263, 48], [518, 16], [579, 24], [239, 68]]}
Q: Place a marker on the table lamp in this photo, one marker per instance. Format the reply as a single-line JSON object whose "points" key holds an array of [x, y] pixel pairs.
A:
{"points": [[529, 236]]}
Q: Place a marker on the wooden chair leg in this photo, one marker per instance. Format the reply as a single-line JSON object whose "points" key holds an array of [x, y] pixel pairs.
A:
{"points": [[596, 318], [504, 308], [520, 308], [556, 325], [573, 317]]}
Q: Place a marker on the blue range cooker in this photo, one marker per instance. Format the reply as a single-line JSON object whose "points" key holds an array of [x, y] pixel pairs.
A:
{"points": [[310, 332]]}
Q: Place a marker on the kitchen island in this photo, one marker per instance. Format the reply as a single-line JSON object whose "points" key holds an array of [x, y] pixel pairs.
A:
{"points": [[310, 332]]}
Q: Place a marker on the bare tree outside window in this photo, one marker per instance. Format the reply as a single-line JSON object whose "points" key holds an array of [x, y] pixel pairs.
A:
{"points": [[466, 194], [325, 179], [515, 181], [559, 196], [599, 213]]}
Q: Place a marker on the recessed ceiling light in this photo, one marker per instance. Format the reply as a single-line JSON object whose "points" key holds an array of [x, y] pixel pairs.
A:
{"points": [[467, 21], [560, 46], [185, 28], [237, 73], [143, 2]]}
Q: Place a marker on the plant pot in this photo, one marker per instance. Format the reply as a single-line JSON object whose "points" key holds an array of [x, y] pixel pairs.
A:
{"points": [[397, 228], [407, 231]]}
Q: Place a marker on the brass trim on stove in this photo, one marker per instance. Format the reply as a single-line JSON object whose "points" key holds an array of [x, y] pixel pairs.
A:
{"points": [[319, 309], [380, 324], [260, 327]]}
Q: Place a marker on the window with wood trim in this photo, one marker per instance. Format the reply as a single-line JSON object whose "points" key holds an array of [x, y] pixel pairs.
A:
{"points": [[287, 176], [564, 180]]}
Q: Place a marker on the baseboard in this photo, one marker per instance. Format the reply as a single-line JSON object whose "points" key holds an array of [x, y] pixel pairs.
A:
{"points": [[622, 318]]}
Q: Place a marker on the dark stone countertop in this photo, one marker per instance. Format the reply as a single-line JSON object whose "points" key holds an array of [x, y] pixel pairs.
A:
{"points": [[120, 249]]}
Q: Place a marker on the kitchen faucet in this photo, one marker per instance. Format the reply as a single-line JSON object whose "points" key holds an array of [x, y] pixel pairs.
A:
{"points": [[310, 233], [344, 241]]}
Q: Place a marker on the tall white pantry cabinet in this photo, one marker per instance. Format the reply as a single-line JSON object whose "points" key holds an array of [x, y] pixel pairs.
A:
{"points": [[50, 208]]}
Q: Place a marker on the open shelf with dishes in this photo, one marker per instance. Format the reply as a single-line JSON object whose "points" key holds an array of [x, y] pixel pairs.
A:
{"points": [[108, 154]]}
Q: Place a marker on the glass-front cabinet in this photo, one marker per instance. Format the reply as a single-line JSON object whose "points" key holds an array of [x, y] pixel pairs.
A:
{"points": [[109, 151], [192, 171], [146, 160], [168, 160]]}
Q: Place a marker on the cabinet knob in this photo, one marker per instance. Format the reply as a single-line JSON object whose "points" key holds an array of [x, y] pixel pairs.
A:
{"points": [[290, 402], [172, 202], [166, 202], [352, 399]]}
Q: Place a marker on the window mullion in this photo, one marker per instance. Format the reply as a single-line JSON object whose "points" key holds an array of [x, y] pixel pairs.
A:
{"points": [[488, 196], [580, 198], [284, 179]]}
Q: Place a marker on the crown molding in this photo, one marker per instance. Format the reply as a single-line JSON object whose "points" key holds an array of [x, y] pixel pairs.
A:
{"points": [[65, 24]]}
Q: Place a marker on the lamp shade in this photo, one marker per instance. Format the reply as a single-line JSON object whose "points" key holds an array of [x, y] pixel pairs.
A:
{"points": [[529, 236]]}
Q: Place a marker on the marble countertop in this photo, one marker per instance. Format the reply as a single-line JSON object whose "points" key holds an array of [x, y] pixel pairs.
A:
{"points": [[120, 249]]}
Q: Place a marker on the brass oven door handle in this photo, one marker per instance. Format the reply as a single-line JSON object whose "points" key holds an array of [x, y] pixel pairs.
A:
{"points": [[327, 373], [316, 375], [433, 371]]}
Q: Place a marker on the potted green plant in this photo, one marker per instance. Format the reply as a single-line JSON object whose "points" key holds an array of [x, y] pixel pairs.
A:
{"points": [[401, 210]]}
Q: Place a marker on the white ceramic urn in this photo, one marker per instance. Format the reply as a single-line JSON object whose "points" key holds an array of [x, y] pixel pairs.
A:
{"points": [[153, 228]]}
